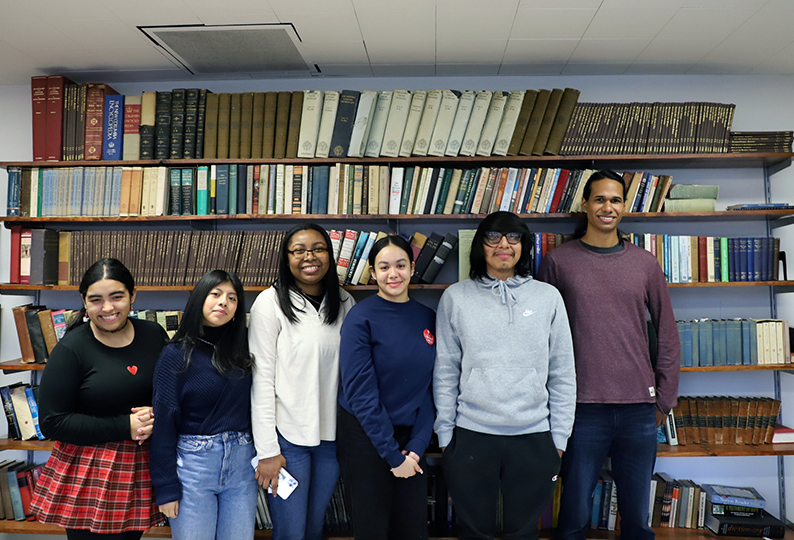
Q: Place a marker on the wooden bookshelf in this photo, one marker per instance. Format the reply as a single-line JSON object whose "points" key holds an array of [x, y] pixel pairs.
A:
{"points": [[723, 450], [188, 288]]}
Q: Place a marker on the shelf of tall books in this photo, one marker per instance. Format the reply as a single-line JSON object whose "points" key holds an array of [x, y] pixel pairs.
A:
{"points": [[177, 183]]}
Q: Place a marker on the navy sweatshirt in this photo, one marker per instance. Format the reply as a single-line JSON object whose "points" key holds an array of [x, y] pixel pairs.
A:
{"points": [[386, 362], [196, 401]]}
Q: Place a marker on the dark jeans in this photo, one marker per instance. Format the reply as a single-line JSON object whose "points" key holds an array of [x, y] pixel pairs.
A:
{"points": [[85, 534], [628, 434], [477, 466], [381, 506]]}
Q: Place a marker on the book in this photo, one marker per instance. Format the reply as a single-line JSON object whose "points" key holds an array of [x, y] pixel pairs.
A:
{"points": [[112, 141], [479, 112], [424, 133], [281, 118], [758, 526], [490, 127], [782, 434], [446, 115], [343, 126], [418, 99], [535, 122], [690, 205], [395, 123], [362, 124], [739, 496], [694, 191], [561, 121], [327, 120], [95, 119], [22, 412], [294, 125], [426, 255], [512, 109], [310, 123], [378, 124], [44, 257], [54, 123], [440, 257]]}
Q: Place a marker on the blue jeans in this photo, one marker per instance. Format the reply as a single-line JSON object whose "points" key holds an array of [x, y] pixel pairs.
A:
{"points": [[302, 515], [628, 434], [219, 489]]}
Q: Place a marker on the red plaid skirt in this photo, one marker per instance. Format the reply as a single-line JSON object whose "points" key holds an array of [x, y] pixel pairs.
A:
{"points": [[104, 488]]}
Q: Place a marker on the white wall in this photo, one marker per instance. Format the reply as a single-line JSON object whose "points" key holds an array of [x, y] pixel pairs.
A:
{"points": [[762, 103]]}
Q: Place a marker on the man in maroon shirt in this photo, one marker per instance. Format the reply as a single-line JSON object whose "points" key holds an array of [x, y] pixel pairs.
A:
{"points": [[609, 287]]}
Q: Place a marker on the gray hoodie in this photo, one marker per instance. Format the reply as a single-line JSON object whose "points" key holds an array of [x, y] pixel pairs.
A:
{"points": [[504, 360]]}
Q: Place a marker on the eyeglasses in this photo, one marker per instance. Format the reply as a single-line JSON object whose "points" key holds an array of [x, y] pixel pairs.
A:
{"points": [[493, 238], [300, 252]]}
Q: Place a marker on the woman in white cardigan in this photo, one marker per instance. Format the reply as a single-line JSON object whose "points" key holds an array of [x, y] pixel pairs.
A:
{"points": [[294, 337]]}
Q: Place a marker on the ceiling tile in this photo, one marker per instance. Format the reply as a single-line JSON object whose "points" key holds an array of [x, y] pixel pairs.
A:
{"points": [[561, 4], [629, 22], [131, 58], [347, 52], [523, 70], [476, 5], [233, 12], [641, 4], [60, 12], [724, 4], [697, 23], [24, 30], [670, 51], [551, 23], [391, 51], [402, 70], [399, 26], [467, 70], [453, 23], [595, 69], [470, 51], [115, 33], [127, 76], [743, 52], [152, 12], [288, 8], [539, 51], [600, 51], [780, 63], [315, 28]]}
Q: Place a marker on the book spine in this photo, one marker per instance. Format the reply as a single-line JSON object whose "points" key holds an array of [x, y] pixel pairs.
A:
{"points": [[113, 140]]}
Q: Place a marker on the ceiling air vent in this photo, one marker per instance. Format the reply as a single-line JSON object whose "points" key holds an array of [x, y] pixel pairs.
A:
{"points": [[248, 50]]}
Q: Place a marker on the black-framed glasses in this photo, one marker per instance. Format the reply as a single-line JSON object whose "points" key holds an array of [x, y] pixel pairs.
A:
{"points": [[300, 252], [493, 238]]}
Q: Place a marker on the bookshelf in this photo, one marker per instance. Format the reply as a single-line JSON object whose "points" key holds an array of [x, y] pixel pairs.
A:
{"points": [[770, 163]]}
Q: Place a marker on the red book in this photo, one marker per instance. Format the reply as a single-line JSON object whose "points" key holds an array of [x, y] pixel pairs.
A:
{"points": [[544, 244], [25, 480], [16, 246], [53, 144], [255, 193], [558, 191], [26, 238], [95, 119], [38, 91], [703, 270]]}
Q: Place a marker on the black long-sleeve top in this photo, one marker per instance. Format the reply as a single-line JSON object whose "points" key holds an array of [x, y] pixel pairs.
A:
{"points": [[88, 388]]}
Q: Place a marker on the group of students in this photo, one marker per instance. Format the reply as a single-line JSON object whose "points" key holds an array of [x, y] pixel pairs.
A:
{"points": [[522, 379]]}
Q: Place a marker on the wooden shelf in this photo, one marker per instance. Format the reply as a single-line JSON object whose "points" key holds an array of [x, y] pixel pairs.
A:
{"points": [[18, 365], [689, 161], [35, 445], [717, 450]]}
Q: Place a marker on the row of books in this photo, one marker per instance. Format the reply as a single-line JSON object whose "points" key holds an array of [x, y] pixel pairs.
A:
{"points": [[318, 189], [761, 141], [17, 481], [723, 420], [92, 121], [734, 342], [648, 128]]}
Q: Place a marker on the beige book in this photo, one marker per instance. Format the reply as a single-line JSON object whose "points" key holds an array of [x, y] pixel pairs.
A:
{"points": [[148, 108], [379, 120], [412, 122], [373, 189], [490, 128], [465, 239], [146, 189], [22, 411], [505, 134], [462, 115], [279, 206], [310, 123], [454, 184], [136, 185], [289, 171], [384, 186], [344, 193], [327, 121], [446, 116], [395, 124], [131, 144], [365, 274], [479, 192], [362, 124], [417, 178], [576, 205], [333, 189], [479, 111], [428, 122]]}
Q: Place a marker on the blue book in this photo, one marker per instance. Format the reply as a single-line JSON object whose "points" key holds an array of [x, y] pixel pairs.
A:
{"points": [[752, 271], [717, 260], [77, 192], [176, 191], [596, 513], [34, 412], [768, 251], [320, 189], [308, 181], [115, 196], [355, 260], [667, 258], [695, 345], [14, 191], [746, 342], [737, 496], [242, 189], [202, 192], [113, 132], [733, 275], [706, 341], [47, 187], [89, 181], [538, 251], [108, 193], [743, 259], [13, 488], [233, 189], [271, 196], [222, 190], [718, 341], [685, 335], [187, 191], [733, 334]]}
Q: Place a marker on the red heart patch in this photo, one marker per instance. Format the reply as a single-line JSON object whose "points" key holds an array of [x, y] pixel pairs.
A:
{"points": [[132, 369], [429, 337]]}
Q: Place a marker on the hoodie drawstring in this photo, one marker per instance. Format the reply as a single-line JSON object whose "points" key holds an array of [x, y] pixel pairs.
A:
{"points": [[507, 296]]}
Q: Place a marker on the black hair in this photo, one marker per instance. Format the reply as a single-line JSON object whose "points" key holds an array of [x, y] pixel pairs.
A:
{"points": [[604, 174], [102, 269], [503, 222], [390, 240], [231, 340], [286, 281]]}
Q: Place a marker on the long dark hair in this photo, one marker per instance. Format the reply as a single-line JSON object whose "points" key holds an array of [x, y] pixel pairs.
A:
{"points": [[231, 349], [286, 281], [605, 174], [394, 240], [503, 222], [102, 269]]}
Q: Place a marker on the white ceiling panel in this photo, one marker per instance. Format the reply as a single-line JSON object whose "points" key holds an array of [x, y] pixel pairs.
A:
{"points": [[600, 51], [471, 51], [65, 12], [561, 4], [150, 12], [233, 12], [551, 23], [781, 63], [348, 52], [288, 8], [629, 22], [724, 4], [539, 51], [116, 33], [383, 51], [314, 28], [699, 23], [523, 70], [744, 52], [456, 24], [669, 51]]}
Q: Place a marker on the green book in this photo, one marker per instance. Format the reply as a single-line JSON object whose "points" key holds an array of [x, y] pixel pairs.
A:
{"points": [[408, 179], [724, 259], [443, 191]]}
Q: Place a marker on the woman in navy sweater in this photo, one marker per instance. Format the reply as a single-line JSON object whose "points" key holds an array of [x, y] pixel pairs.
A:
{"points": [[386, 413], [202, 445]]}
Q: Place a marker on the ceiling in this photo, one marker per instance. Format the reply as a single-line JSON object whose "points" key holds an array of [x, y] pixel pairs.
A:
{"points": [[101, 39]]}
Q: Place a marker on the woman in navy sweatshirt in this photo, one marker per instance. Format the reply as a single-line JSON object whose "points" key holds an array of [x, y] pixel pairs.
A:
{"points": [[202, 445], [386, 413]]}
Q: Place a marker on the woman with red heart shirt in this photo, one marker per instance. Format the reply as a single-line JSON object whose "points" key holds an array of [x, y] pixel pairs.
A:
{"points": [[386, 411], [95, 401]]}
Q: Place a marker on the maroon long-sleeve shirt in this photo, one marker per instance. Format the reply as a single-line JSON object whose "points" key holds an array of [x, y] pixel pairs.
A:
{"points": [[606, 296]]}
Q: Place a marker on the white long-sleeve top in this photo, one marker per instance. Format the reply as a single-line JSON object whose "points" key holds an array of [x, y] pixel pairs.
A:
{"points": [[296, 373]]}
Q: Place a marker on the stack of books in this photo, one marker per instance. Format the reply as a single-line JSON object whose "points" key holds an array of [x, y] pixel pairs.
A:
{"points": [[719, 420], [22, 411], [17, 481], [761, 141], [734, 342], [739, 511], [692, 198]]}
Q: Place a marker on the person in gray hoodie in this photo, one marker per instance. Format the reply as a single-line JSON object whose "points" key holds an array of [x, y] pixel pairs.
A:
{"points": [[504, 385]]}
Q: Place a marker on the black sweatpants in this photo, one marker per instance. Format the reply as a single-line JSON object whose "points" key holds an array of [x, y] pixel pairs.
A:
{"points": [[85, 534], [381, 506], [478, 465]]}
